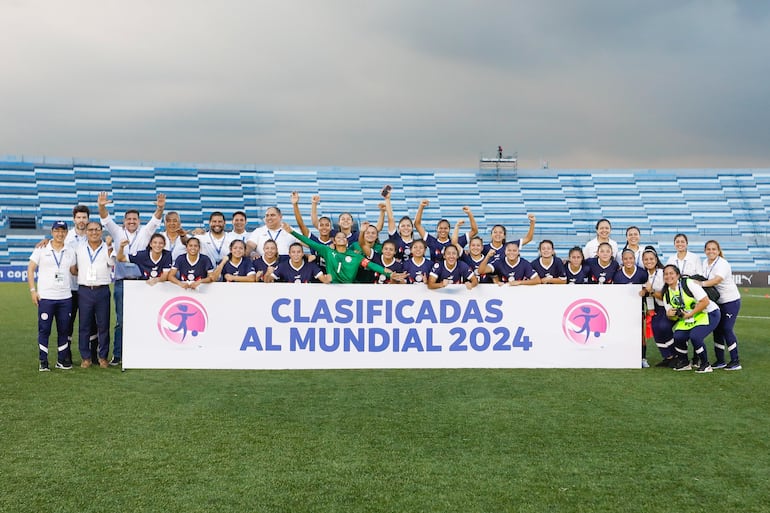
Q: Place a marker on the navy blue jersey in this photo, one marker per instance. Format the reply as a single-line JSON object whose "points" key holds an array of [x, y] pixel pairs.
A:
{"points": [[579, 277], [474, 264], [460, 274], [395, 267], [244, 268], [320, 261], [555, 270], [193, 272], [308, 272], [522, 270], [639, 277], [260, 266], [150, 268], [600, 274], [403, 251], [500, 251], [418, 273], [436, 248]]}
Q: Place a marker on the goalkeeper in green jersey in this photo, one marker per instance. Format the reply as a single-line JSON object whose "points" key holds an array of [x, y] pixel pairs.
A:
{"points": [[342, 264]]}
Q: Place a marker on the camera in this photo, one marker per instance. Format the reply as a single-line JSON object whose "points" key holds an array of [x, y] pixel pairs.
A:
{"points": [[680, 313]]}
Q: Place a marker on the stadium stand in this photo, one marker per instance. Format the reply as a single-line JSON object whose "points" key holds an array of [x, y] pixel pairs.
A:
{"points": [[731, 205]]}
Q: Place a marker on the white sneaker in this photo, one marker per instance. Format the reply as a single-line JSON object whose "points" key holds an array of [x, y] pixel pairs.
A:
{"points": [[645, 365]]}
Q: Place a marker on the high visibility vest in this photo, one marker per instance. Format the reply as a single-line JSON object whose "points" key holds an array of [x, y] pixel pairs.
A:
{"points": [[688, 302]]}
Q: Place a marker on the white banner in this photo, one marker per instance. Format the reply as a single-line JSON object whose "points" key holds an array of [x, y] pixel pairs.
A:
{"points": [[317, 326]]}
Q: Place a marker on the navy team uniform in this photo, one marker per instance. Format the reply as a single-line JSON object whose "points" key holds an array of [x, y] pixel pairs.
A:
{"points": [[149, 267], [579, 277], [555, 270], [395, 267], [403, 251], [521, 271], [460, 274], [500, 252], [474, 264], [260, 265], [244, 268], [193, 272], [436, 248], [418, 273], [599, 274], [308, 272], [319, 260], [639, 277]]}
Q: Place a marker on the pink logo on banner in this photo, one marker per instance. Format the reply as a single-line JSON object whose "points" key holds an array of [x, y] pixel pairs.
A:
{"points": [[585, 319], [181, 317]]}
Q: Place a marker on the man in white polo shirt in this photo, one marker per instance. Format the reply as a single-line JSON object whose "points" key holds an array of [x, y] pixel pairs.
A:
{"points": [[271, 231]]}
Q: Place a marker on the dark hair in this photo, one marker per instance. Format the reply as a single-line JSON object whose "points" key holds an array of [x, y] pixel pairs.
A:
{"points": [[216, 213], [293, 244], [675, 268], [131, 211], [81, 208], [505, 232], [651, 249], [192, 239], [719, 248], [544, 241], [418, 241], [239, 212], [234, 241], [633, 228], [155, 236], [443, 221], [600, 221], [451, 246], [579, 250], [683, 236]]}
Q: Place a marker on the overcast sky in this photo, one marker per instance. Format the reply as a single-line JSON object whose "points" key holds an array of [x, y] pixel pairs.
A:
{"points": [[415, 83]]}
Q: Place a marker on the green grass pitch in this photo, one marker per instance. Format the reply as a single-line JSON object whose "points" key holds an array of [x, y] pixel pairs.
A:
{"points": [[101, 440]]}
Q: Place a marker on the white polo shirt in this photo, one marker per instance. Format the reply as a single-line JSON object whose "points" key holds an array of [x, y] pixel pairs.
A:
{"points": [[282, 239], [94, 265], [53, 271]]}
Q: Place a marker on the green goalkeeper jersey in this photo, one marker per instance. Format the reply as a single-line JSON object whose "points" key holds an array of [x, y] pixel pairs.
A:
{"points": [[342, 267]]}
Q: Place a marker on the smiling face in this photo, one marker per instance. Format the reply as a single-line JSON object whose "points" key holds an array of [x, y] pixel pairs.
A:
{"points": [[131, 221], [237, 249], [670, 276], [193, 246], [476, 247], [451, 255], [511, 252], [157, 243], [405, 228], [172, 222], [418, 249], [498, 234], [324, 227], [388, 250], [345, 221], [340, 242], [270, 251], [296, 254], [370, 234], [273, 218], [649, 260], [94, 233], [239, 223], [712, 251], [546, 249], [680, 243], [604, 253], [603, 230], [217, 224], [632, 237], [629, 260], [442, 230]]}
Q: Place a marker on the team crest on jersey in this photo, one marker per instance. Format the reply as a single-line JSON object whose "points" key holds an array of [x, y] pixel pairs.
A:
{"points": [[585, 320], [182, 318]]}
